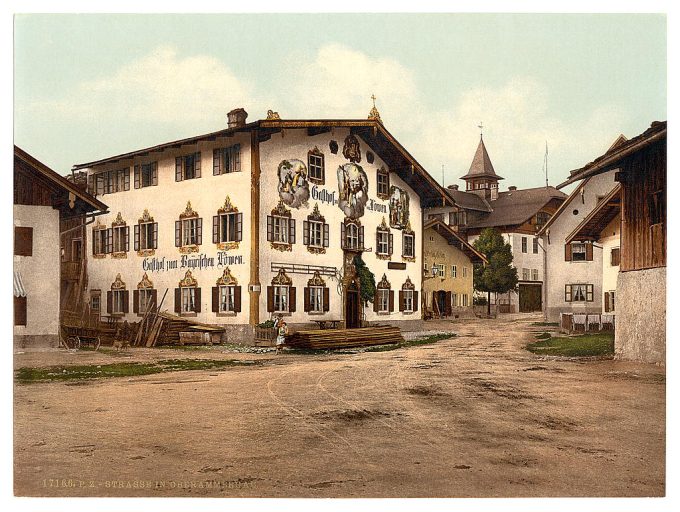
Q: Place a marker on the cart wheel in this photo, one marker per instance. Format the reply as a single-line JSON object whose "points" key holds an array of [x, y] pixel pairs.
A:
{"points": [[97, 343], [72, 342]]}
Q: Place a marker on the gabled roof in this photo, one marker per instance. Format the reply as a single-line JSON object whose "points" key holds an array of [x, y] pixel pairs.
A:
{"points": [[371, 131], [481, 166], [455, 239], [515, 207], [469, 200], [577, 191], [58, 182], [606, 210], [620, 150]]}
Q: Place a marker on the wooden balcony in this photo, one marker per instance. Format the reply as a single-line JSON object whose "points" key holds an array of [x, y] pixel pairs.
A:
{"points": [[71, 270]]}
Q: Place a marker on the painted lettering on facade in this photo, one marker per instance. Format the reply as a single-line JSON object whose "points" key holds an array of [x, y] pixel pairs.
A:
{"points": [[198, 262]]}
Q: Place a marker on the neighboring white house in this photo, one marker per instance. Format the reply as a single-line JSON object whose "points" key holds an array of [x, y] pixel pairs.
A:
{"points": [[575, 281], [42, 198], [261, 219]]}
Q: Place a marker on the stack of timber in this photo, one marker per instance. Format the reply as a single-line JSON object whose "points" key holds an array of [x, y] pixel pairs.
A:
{"points": [[345, 338], [166, 329]]}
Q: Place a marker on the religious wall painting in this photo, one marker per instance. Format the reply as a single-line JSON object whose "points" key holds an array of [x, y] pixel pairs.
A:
{"points": [[293, 184], [353, 190], [399, 208]]}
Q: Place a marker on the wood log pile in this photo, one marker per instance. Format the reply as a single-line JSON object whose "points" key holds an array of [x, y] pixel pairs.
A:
{"points": [[344, 338]]}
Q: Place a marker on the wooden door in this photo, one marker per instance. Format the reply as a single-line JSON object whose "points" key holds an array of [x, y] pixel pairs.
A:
{"points": [[530, 298], [352, 308]]}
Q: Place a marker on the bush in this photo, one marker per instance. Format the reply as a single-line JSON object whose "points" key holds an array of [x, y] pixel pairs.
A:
{"points": [[479, 301]]}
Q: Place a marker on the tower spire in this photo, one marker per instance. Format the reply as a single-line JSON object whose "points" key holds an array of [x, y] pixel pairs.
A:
{"points": [[374, 114]]}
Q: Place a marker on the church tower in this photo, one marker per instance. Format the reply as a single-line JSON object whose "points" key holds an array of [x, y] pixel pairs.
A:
{"points": [[482, 178]]}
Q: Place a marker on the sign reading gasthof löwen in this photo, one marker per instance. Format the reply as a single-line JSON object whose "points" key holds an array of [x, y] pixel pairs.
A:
{"points": [[197, 262]]}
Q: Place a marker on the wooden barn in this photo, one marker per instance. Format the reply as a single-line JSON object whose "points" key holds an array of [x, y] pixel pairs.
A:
{"points": [[640, 168]]}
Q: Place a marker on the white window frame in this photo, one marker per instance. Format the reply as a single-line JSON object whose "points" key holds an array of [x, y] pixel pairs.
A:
{"points": [[100, 241], [227, 299], [315, 233], [145, 295], [316, 304], [385, 183], [405, 245], [190, 231], [383, 300], [352, 236], [465, 271], [526, 275], [231, 221], [146, 236], [525, 245], [383, 243], [188, 299], [578, 292], [118, 296], [408, 301], [96, 302], [118, 239], [454, 271], [280, 229], [146, 175], [465, 300], [580, 249], [441, 269], [281, 298], [316, 167], [534, 246], [534, 274]]}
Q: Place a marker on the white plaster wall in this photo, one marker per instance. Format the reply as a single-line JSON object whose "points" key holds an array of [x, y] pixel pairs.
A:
{"points": [[165, 202], [611, 238], [294, 144], [40, 272], [561, 272]]}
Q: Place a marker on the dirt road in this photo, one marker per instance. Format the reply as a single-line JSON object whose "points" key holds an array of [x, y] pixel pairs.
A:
{"points": [[472, 416]]}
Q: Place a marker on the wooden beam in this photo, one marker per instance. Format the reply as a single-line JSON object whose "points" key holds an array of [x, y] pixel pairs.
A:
{"points": [[254, 284]]}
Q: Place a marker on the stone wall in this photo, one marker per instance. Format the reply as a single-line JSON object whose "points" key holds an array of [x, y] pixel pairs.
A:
{"points": [[641, 315]]}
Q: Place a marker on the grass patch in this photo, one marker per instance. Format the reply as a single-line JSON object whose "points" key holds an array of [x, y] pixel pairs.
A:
{"points": [[545, 324], [599, 344], [80, 372], [543, 336], [412, 343]]}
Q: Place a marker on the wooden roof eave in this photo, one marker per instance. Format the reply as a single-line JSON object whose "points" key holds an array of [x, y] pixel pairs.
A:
{"points": [[448, 233], [592, 225], [562, 207]]}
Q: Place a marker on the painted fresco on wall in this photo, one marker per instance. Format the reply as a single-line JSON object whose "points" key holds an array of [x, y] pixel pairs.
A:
{"points": [[353, 188], [293, 183], [399, 205]]}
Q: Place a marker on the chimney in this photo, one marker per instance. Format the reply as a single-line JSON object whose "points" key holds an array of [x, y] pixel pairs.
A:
{"points": [[453, 187], [236, 118], [512, 188]]}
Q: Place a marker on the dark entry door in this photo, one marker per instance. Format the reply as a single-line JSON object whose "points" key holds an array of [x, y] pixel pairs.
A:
{"points": [[352, 308], [530, 298]]}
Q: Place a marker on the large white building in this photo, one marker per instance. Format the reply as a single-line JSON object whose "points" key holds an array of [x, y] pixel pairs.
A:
{"points": [[262, 219]]}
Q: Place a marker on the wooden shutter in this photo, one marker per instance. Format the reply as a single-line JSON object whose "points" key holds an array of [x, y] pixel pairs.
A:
{"points": [[109, 302], [197, 302], [237, 299], [377, 241], [216, 229], [239, 227], [391, 244], [606, 302], [127, 238], [199, 230], [270, 299], [178, 300], [178, 168], [90, 185], [291, 231], [415, 301], [154, 173], [391, 301], [197, 164], [23, 241], [361, 237], [326, 299], [291, 299], [20, 310], [135, 301], [215, 299], [325, 235], [109, 240], [305, 234], [306, 299], [375, 301], [136, 238], [589, 252], [216, 162], [615, 257], [402, 306], [126, 179], [589, 293], [567, 252], [343, 235], [126, 301], [448, 309], [567, 293], [270, 228], [138, 182], [94, 234], [155, 235], [154, 298]]}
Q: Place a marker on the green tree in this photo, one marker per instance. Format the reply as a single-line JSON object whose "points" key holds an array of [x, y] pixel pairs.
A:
{"points": [[366, 280], [498, 275]]}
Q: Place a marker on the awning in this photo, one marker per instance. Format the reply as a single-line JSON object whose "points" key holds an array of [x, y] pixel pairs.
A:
{"points": [[19, 290]]}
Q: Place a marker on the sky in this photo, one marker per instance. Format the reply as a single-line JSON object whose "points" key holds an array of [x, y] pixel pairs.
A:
{"points": [[90, 86]]}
